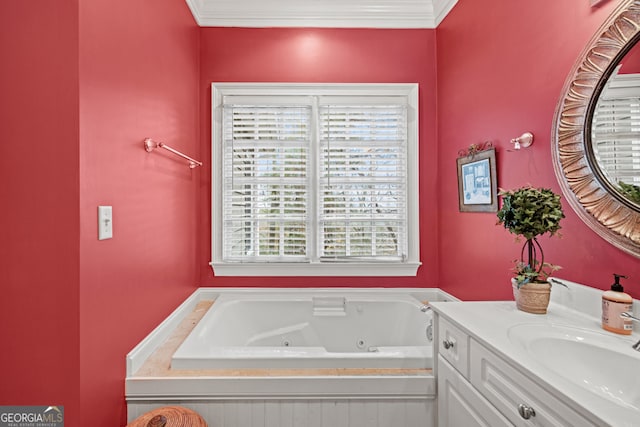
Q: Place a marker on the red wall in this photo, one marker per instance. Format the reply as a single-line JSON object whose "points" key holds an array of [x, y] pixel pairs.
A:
{"points": [[324, 55], [631, 61], [138, 78], [39, 195], [500, 73], [82, 86]]}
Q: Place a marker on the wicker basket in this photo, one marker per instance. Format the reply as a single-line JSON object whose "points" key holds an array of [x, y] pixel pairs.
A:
{"points": [[169, 416], [532, 297]]}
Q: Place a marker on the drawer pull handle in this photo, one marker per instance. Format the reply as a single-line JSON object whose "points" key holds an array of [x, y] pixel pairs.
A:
{"points": [[526, 411], [447, 344]]}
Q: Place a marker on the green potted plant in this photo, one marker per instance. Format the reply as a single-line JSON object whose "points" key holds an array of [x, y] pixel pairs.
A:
{"points": [[631, 191], [528, 213]]}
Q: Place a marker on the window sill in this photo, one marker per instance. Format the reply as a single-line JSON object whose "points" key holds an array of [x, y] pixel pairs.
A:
{"points": [[315, 269]]}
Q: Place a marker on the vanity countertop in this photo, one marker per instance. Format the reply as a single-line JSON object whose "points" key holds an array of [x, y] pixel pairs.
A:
{"points": [[493, 323]]}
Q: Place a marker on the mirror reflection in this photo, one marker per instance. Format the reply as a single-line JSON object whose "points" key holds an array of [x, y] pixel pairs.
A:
{"points": [[615, 130]]}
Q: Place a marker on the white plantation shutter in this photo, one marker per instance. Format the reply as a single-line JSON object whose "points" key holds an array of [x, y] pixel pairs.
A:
{"points": [[315, 179], [265, 211], [616, 133], [363, 188]]}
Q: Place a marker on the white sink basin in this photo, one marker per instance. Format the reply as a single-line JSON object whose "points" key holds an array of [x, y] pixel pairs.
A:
{"points": [[600, 362]]}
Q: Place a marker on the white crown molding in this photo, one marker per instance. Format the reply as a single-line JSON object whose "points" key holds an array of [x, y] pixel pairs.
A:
{"points": [[441, 9], [321, 13]]}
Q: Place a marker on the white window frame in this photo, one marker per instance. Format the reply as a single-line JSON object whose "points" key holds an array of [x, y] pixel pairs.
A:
{"points": [[408, 267]]}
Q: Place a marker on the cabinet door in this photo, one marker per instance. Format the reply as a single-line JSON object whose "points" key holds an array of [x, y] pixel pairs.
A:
{"points": [[460, 405], [507, 388]]}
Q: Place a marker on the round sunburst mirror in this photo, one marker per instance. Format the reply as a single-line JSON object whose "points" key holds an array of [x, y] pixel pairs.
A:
{"points": [[596, 137]]}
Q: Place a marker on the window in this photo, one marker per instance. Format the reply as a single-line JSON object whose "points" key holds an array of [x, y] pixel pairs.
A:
{"points": [[616, 129], [315, 180]]}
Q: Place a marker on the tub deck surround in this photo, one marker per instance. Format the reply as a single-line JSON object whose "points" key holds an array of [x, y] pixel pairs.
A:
{"points": [[159, 362], [494, 323]]}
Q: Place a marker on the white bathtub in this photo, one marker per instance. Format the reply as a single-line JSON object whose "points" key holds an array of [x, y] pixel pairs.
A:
{"points": [[389, 320], [305, 331]]}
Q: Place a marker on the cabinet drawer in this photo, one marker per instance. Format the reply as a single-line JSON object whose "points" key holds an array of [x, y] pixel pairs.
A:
{"points": [[506, 388], [453, 345]]}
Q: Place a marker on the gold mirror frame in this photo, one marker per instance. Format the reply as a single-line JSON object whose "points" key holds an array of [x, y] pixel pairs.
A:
{"points": [[604, 211]]}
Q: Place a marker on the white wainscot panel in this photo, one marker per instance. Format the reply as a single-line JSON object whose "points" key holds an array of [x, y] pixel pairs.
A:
{"points": [[306, 413]]}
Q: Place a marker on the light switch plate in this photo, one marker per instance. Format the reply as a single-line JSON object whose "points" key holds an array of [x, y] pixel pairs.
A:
{"points": [[105, 222]]}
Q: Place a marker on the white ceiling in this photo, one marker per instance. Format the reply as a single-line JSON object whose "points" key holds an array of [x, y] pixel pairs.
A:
{"points": [[321, 13]]}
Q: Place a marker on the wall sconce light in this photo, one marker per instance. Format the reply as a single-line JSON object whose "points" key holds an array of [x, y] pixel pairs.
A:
{"points": [[523, 141]]}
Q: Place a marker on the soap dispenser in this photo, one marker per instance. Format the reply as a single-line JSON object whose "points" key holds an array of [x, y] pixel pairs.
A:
{"points": [[614, 303]]}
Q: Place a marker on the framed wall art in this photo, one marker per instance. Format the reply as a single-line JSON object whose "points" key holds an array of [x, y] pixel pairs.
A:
{"points": [[477, 184]]}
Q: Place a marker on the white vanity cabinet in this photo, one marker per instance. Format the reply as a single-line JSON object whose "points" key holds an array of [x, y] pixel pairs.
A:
{"points": [[476, 387]]}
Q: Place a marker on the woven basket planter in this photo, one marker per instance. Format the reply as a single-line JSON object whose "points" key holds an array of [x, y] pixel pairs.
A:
{"points": [[532, 297], [169, 416]]}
